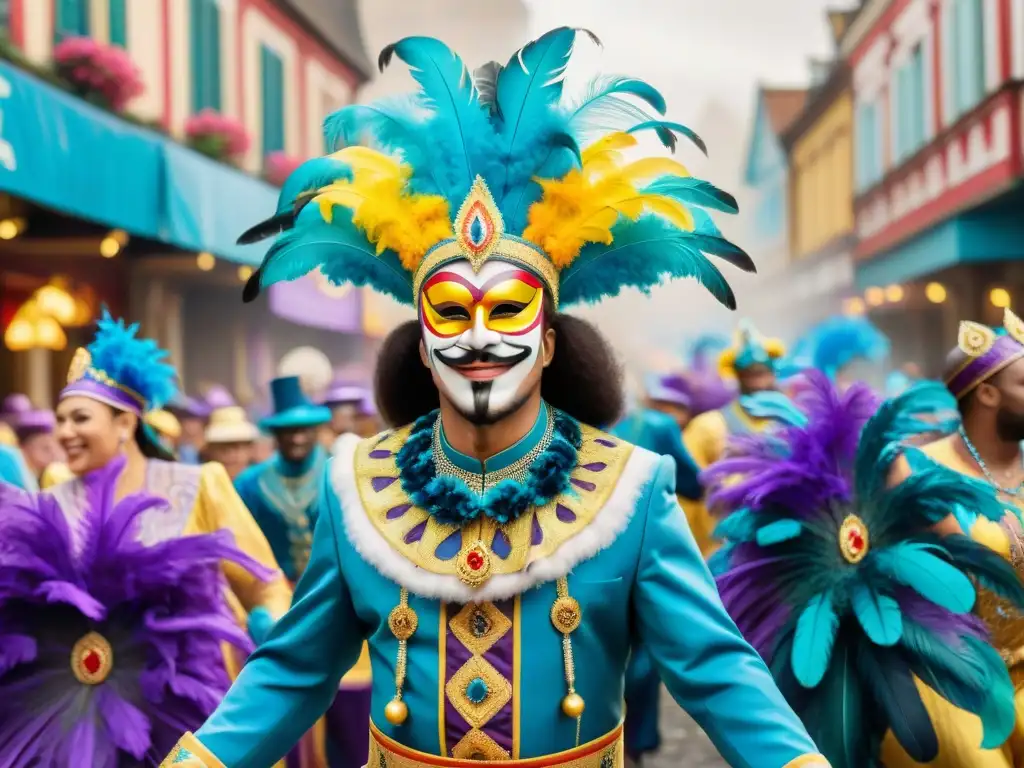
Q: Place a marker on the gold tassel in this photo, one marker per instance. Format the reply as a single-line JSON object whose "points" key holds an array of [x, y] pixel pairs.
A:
{"points": [[402, 622], [566, 616]]}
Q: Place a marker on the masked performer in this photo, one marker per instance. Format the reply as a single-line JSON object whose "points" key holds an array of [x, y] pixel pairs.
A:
{"points": [[862, 611], [108, 645], [985, 374], [500, 555], [111, 384]]}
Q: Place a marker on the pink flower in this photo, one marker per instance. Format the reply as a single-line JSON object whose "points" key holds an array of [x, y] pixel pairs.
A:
{"points": [[102, 69], [278, 166], [209, 124]]}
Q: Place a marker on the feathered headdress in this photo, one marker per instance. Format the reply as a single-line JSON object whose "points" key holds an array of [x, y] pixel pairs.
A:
{"points": [[839, 584], [122, 370], [749, 348], [696, 392], [491, 167], [835, 343], [702, 353], [109, 649]]}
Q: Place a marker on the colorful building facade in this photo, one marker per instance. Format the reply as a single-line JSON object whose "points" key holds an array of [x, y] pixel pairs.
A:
{"points": [[939, 131], [821, 221]]}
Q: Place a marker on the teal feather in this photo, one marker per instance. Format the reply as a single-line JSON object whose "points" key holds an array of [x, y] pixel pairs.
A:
{"points": [[664, 128], [460, 128], [879, 615], [602, 108], [987, 567], [692, 191], [778, 532], [339, 251], [138, 364], [642, 255], [815, 635], [773, 405], [837, 725], [930, 576], [998, 714], [741, 525]]}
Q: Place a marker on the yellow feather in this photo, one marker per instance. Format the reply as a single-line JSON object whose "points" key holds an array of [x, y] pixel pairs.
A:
{"points": [[584, 205], [408, 224]]}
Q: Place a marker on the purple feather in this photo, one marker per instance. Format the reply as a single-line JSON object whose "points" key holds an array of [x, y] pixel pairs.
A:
{"points": [[161, 608]]}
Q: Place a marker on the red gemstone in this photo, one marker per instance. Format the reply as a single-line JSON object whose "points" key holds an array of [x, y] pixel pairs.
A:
{"points": [[856, 540], [475, 561], [91, 661]]}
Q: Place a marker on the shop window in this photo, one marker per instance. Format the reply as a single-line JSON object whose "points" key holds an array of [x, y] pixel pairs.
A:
{"points": [[118, 23], [205, 53], [965, 56], [868, 144], [272, 76], [909, 105], [72, 19]]}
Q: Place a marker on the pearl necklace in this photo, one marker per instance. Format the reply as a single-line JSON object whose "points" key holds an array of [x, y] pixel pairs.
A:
{"points": [[1017, 491]]}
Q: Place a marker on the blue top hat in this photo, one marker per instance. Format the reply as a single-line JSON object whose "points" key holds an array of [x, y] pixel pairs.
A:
{"points": [[292, 409]]}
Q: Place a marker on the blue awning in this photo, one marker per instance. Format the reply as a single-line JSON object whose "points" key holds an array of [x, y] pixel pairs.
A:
{"points": [[61, 152], [209, 204], [993, 232]]}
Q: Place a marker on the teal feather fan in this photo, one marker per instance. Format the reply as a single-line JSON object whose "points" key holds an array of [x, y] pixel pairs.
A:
{"points": [[550, 173], [840, 584]]}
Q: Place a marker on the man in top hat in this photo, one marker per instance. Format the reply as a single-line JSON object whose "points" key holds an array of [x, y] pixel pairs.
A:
{"points": [[985, 374], [34, 430], [229, 439]]}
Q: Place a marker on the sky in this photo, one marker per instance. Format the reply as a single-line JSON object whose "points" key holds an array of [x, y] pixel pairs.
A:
{"points": [[707, 57]]}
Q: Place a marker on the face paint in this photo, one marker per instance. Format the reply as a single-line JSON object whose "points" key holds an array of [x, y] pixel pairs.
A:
{"points": [[482, 332]]}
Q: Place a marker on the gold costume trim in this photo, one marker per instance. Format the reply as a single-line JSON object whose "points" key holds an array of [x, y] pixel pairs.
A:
{"points": [[583, 505], [808, 761], [608, 751], [190, 753], [497, 691]]}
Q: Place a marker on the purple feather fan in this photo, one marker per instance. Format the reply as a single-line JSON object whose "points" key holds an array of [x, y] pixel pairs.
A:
{"points": [[704, 391], [109, 648]]}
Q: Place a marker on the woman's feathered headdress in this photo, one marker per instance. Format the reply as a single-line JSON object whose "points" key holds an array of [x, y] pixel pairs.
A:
{"points": [[122, 370], [109, 649], [837, 581], [493, 166], [749, 348]]}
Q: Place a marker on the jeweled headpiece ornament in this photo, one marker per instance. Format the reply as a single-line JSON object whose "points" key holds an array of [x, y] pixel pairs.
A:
{"points": [[987, 351], [749, 348], [121, 370], [502, 150]]}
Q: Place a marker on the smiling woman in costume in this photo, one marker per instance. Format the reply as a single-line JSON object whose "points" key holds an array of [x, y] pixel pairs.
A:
{"points": [[111, 384], [499, 554]]}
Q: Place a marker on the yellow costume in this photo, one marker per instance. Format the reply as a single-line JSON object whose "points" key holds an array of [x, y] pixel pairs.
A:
{"points": [[960, 732]]}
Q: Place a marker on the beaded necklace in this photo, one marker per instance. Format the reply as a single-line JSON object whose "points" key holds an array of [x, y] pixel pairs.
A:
{"points": [[1015, 492]]}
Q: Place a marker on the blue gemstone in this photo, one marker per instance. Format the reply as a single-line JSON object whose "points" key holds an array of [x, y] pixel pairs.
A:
{"points": [[477, 690], [476, 231]]}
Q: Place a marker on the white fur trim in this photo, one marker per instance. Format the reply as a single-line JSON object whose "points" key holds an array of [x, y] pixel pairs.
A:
{"points": [[610, 521]]}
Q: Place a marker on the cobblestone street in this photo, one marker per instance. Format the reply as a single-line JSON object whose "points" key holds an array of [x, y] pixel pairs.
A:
{"points": [[684, 744]]}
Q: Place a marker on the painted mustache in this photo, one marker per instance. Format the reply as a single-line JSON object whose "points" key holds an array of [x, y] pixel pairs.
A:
{"points": [[487, 356]]}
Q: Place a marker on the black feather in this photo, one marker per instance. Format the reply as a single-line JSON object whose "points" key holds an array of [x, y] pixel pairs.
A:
{"points": [[989, 568], [252, 288], [725, 250], [386, 54], [486, 79], [275, 225], [889, 679]]}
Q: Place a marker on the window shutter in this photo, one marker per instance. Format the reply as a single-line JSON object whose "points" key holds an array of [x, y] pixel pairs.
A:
{"points": [[272, 71], [205, 50], [118, 23], [948, 53], [72, 19]]}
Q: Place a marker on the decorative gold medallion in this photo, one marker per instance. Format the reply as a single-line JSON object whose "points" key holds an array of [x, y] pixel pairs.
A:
{"points": [[92, 659], [79, 365], [853, 539], [402, 621], [474, 565], [1014, 325], [477, 745], [478, 225], [975, 339], [566, 615]]}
